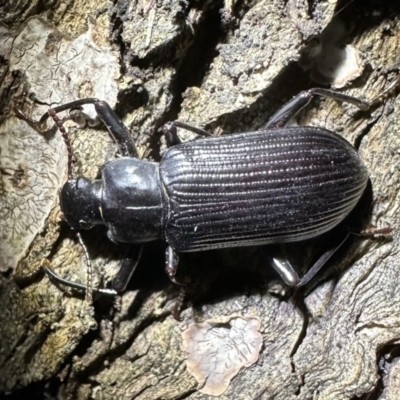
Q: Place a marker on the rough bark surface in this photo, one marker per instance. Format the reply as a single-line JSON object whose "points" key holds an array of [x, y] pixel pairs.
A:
{"points": [[226, 67]]}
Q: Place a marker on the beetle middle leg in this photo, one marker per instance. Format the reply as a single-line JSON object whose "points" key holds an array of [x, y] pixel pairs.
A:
{"points": [[171, 135], [171, 268]]}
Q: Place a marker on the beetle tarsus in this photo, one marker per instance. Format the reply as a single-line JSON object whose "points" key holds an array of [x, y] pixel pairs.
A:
{"points": [[374, 232], [24, 278], [67, 106]]}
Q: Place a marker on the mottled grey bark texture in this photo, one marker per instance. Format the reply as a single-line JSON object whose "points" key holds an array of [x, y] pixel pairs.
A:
{"points": [[225, 67]]}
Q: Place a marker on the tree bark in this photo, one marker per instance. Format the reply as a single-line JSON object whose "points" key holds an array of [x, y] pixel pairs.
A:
{"points": [[225, 67]]}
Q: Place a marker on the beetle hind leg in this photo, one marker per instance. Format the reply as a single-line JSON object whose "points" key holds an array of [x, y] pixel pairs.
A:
{"points": [[290, 276], [288, 111]]}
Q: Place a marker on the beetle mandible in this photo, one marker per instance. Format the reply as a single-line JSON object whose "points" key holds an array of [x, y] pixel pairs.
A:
{"points": [[275, 185]]}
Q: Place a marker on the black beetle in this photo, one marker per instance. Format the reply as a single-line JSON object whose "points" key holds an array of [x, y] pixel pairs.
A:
{"points": [[279, 184]]}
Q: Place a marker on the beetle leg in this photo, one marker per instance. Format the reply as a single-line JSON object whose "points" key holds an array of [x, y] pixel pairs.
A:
{"points": [[171, 264], [117, 129], [127, 269], [75, 285], [290, 276], [171, 135], [119, 283], [282, 117], [323, 259], [286, 271], [23, 277], [119, 132], [170, 132], [374, 232], [171, 267], [179, 304]]}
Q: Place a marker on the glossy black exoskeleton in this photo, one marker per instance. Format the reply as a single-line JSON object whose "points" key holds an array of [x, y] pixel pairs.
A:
{"points": [[279, 184]]}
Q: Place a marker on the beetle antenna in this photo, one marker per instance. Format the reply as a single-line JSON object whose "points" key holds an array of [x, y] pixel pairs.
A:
{"points": [[64, 134], [89, 270]]}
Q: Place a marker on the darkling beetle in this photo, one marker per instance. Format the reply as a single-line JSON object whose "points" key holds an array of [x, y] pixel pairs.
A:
{"points": [[276, 185]]}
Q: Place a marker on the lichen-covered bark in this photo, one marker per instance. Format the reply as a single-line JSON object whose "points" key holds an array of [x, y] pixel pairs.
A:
{"points": [[224, 66]]}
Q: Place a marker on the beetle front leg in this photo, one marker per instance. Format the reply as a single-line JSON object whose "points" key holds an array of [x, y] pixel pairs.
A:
{"points": [[119, 132], [75, 285], [119, 282], [117, 129], [128, 266], [282, 117]]}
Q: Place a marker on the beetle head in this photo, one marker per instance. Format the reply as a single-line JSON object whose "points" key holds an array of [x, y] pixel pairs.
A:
{"points": [[80, 203]]}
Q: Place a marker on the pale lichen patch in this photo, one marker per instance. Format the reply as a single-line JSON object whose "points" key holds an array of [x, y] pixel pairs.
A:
{"points": [[31, 172], [54, 70], [58, 70], [217, 351]]}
